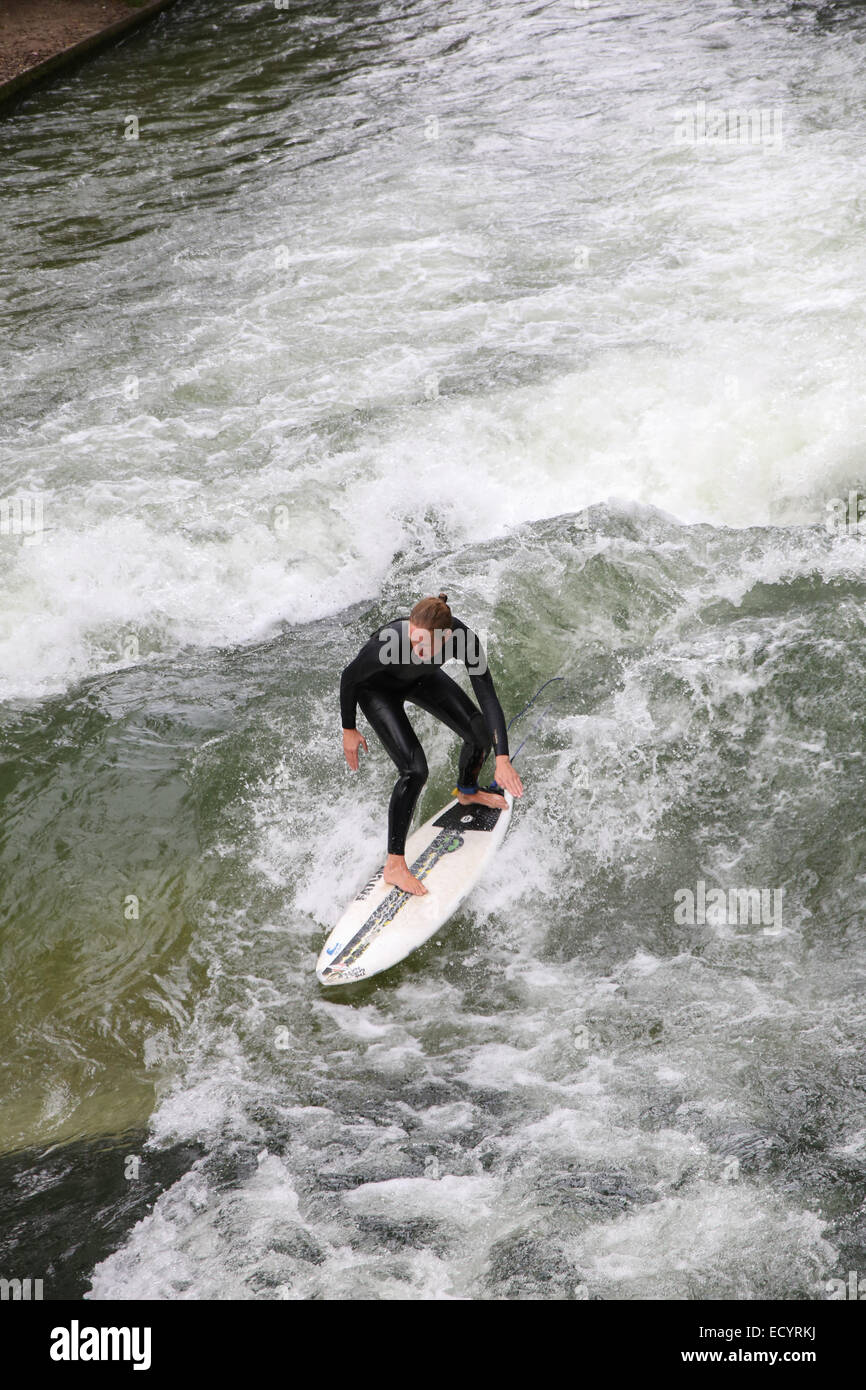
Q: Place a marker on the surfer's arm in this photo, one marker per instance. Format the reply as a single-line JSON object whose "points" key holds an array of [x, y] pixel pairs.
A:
{"points": [[485, 694], [365, 665], [349, 682], [475, 660]]}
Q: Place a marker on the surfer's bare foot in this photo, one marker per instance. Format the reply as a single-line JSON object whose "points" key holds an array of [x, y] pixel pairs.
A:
{"points": [[481, 798], [398, 873]]}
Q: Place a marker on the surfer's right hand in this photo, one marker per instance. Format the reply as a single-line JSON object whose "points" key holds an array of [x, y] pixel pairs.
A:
{"points": [[352, 741]]}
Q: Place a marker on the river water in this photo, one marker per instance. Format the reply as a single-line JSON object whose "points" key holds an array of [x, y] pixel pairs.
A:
{"points": [[387, 298]]}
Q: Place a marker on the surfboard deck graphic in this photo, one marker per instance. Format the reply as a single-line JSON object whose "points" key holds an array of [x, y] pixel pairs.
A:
{"points": [[383, 924]]}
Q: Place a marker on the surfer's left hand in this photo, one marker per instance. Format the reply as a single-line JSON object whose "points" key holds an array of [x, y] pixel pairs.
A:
{"points": [[507, 777]]}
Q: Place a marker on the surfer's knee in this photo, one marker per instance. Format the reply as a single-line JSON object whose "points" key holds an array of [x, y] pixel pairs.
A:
{"points": [[419, 768], [415, 768]]}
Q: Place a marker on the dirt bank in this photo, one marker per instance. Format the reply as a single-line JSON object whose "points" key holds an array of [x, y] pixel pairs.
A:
{"points": [[34, 32]]}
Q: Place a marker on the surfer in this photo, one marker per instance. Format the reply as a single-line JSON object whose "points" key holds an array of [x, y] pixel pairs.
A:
{"points": [[401, 661]]}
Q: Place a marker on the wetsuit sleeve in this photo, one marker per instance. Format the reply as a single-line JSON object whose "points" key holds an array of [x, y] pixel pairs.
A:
{"points": [[485, 694], [349, 681], [365, 664], [485, 690]]}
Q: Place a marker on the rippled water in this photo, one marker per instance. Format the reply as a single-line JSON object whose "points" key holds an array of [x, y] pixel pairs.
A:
{"points": [[388, 298]]}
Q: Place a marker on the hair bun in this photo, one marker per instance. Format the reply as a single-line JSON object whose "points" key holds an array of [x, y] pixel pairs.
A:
{"points": [[444, 598]]}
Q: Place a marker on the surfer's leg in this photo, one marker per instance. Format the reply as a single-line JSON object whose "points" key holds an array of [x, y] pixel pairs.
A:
{"points": [[440, 695], [386, 715]]}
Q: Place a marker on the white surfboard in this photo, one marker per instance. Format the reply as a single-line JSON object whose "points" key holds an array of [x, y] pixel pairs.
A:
{"points": [[383, 925]]}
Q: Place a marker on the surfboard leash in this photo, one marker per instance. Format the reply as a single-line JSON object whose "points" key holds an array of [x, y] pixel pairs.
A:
{"points": [[493, 786], [529, 705], [531, 702]]}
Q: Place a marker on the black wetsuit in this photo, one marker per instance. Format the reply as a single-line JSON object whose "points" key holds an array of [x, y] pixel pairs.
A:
{"points": [[386, 672]]}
